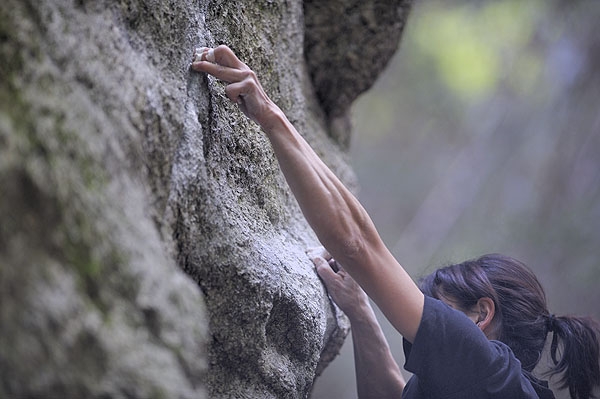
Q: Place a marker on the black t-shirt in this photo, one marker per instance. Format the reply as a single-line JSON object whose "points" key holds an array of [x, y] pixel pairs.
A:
{"points": [[452, 359]]}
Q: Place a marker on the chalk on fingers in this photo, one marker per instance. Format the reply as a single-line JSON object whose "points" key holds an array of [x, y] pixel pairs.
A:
{"points": [[210, 55], [204, 54], [198, 54]]}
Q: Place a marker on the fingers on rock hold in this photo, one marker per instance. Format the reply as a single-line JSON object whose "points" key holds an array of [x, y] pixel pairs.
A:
{"points": [[199, 53], [313, 252], [318, 251], [204, 54]]}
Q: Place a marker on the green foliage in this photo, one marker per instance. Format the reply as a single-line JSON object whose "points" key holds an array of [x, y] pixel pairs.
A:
{"points": [[472, 46]]}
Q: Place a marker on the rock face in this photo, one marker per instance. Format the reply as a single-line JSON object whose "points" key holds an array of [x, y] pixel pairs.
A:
{"points": [[149, 245]]}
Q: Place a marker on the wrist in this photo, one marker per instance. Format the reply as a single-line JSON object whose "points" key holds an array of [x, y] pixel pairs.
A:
{"points": [[273, 119], [360, 312]]}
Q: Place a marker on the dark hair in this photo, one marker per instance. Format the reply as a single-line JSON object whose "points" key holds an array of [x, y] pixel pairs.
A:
{"points": [[522, 320]]}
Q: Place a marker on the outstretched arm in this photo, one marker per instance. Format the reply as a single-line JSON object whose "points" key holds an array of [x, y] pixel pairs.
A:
{"points": [[377, 373], [340, 222]]}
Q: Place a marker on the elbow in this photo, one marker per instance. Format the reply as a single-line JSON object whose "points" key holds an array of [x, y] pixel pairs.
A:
{"points": [[350, 244], [353, 246], [347, 231], [347, 249]]}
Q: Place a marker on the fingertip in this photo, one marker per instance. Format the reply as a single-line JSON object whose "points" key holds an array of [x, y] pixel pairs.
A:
{"points": [[197, 66], [201, 66], [319, 262], [313, 252], [318, 251], [316, 260], [322, 267], [199, 52]]}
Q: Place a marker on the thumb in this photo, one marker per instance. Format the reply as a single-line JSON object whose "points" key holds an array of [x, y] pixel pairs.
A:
{"points": [[324, 270]]}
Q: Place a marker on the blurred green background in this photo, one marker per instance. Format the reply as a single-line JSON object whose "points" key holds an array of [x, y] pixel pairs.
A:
{"points": [[483, 135]]}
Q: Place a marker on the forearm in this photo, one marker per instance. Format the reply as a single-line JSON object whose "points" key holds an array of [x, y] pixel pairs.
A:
{"points": [[336, 216], [377, 373]]}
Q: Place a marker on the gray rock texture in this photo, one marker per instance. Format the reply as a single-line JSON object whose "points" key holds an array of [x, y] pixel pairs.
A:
{"points": [[149, 245]]}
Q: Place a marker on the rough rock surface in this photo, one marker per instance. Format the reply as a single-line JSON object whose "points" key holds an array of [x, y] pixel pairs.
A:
{"points": [[149, 245]]}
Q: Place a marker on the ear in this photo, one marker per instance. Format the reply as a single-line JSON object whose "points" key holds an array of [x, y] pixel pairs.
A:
{"points": [[486, 310]]}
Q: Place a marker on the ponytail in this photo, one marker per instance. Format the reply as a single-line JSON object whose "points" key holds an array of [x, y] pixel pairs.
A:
{"points": [[578, 356], [522, 318]]}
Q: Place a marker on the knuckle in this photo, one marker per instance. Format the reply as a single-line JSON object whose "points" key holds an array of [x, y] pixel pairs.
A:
{"points": [[249, 74], [221, 52]]}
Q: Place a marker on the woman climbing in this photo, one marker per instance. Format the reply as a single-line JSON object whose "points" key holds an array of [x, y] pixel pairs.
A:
{"points": [[472, 330]]}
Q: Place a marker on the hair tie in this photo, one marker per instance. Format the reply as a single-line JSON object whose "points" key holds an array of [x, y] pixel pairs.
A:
{"points": [[551, 322]]}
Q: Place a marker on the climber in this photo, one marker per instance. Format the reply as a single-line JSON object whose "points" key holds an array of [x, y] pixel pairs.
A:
{"points": [[471, 330]]}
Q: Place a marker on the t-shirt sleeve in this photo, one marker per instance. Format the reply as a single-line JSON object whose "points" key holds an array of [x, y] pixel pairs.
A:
{"points": [[451, 355]]}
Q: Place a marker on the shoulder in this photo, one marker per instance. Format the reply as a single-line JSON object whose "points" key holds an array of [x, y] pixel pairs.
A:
{"points": [[450, 355], [448, 337]]}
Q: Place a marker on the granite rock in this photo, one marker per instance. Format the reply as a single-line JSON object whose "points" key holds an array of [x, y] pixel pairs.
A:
{"points": [[149, 245]]}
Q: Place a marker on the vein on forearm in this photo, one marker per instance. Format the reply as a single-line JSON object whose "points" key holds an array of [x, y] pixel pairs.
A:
{"points": [[336, 216]]}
